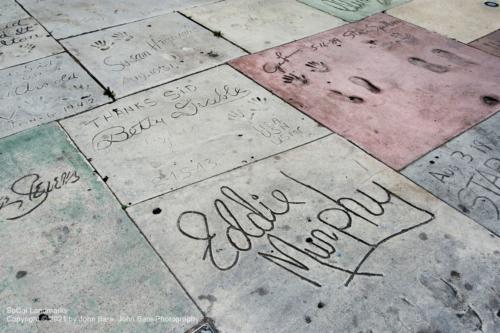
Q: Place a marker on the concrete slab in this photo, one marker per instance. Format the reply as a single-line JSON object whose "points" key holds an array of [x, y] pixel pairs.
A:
{"points": [[178, 134], [65, 18], [326, 239], [465, 173], [144, 54], [463, 20], [23, 40], [489, 43], [10, 10], [257, 25], [72, 261], [353, 10], [45, 90], [394, 89]]}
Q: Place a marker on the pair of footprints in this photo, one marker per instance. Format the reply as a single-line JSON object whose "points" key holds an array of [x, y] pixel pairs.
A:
{"points": [[321, 67], [450, 57], [359, 81]]}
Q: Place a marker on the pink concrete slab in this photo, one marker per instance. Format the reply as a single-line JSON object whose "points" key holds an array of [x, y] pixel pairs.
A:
{"points": [[394, 89], [489, 43]]}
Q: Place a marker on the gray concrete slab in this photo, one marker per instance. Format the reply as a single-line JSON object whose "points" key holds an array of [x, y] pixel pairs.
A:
{"points": [[144, 54], [353, 10], [72, 261], [463, 20], [22, 40], [180, 133], [258, 25], [65, 18], [465, 173], [45, 90], [10, 10], [324, 238]]}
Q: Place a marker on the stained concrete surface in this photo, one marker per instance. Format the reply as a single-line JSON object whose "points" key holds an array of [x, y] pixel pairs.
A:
{"points": [[393, 88], [69, 253], [147, 186]]}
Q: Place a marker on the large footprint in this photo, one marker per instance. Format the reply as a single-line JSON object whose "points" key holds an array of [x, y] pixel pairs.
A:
{"points": [[427, 65], [362, 82], [452, 57]]}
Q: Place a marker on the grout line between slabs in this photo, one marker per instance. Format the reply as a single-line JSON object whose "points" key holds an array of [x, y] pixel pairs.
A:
{"points": [[230, 170], [212, 31], [115, 197], [113, 25], [64, 48], [233, 169], [399, 172]]}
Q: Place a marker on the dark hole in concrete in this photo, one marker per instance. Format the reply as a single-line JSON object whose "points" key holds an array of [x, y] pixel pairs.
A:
{"points": [[356, 99], [43, 317], [21, 274], [490, 100]]}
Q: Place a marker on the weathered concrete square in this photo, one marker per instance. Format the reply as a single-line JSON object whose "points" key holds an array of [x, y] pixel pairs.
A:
{"points": [[465, 173], [396, 90], [353, 10], [144, 54], [10, 10], [71, 257], [180, 133], [45, 90], [65, 18], [323, 238], [23, 40], [463, 20], [258, 25]]}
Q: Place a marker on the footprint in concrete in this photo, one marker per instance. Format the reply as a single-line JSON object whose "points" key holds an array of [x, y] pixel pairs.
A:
{"points": [[335, 94], [449, 295], [57, 237], [452, 57], [427, 65], [362, 82], [211, 300], [491, 100], [443, 291]]}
